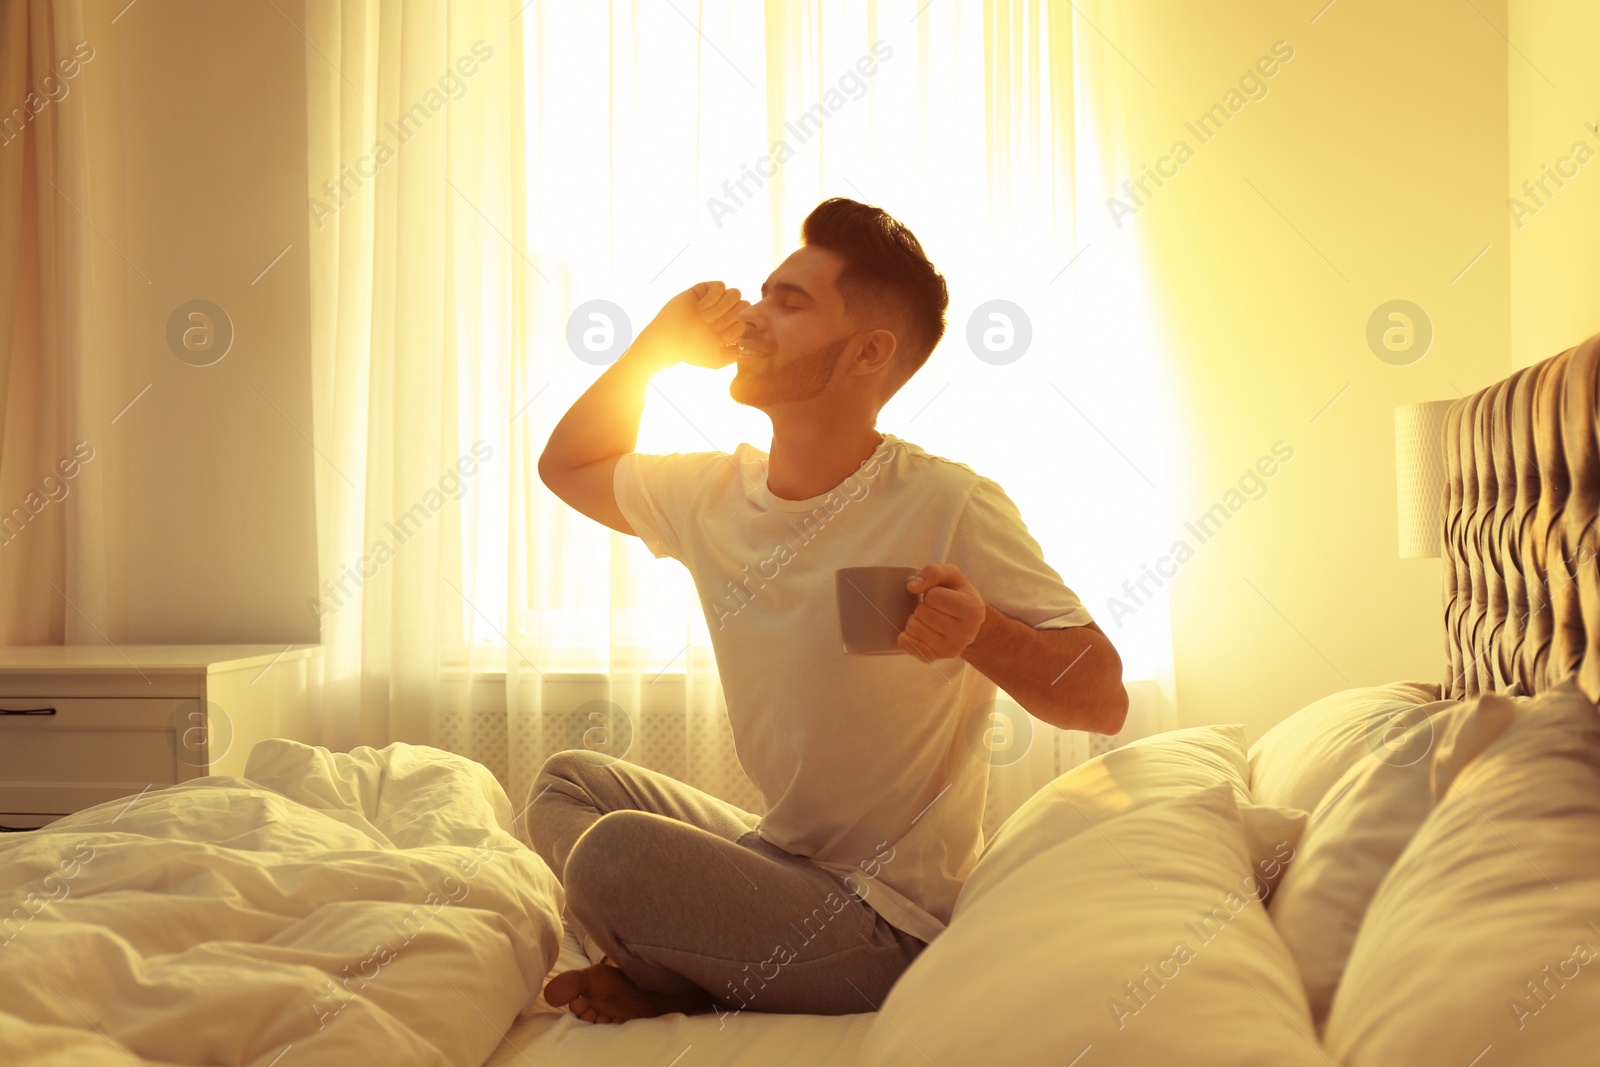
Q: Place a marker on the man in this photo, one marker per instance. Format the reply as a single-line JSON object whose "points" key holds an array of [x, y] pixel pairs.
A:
{"points": [[873, 786]]}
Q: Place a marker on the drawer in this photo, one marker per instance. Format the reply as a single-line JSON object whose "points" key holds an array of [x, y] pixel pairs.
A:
{"points": [[60, 754]]}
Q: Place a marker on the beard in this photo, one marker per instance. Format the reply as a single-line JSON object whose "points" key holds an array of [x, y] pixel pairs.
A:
{"points": [[763, 384]]}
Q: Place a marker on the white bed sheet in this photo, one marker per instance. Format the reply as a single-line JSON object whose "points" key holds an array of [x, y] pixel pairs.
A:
{"points": [[548, 1037]]}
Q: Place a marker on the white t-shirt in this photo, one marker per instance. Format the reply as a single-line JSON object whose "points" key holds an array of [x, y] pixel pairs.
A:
{"points": [[869, 764]]}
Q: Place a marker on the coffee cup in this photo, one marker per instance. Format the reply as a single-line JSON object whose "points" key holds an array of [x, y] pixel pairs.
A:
{"points": [[874, 607]]}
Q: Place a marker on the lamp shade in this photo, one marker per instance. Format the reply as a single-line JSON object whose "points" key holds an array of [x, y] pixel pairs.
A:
{"points": [[1419, 476]]}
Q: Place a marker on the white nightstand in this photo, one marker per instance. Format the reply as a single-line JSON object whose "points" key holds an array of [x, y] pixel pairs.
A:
{"points": [[83, 724]]}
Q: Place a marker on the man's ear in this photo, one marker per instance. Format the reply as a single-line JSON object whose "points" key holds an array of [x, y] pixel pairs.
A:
{"points": [[877, 351]]}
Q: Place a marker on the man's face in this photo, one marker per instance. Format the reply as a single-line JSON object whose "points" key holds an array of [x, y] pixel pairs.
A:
{"points": [[794, 335]]}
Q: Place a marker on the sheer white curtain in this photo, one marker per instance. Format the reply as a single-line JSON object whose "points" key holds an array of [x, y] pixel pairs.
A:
{"points": [[607, 156], [416, 195]]}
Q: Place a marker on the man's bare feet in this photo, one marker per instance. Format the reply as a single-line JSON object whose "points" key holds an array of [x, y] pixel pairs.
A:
{"points": [[601, 993]]}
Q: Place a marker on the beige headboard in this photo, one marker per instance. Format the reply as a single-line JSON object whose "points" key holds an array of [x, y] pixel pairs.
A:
{"points": [[1521, 590]]}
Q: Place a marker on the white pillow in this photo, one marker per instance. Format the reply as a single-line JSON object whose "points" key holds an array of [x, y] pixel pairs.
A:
{"points": [[1271, 836], [1140, 941], [1484, 935], [1296, 761], [1357, 831], [1152, 769]]}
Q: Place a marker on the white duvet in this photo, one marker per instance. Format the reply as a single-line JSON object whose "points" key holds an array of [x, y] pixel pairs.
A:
{"points": [[350, 908]]}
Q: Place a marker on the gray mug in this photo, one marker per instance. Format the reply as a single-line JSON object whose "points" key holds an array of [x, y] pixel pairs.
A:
{"points": [[874, 607]]}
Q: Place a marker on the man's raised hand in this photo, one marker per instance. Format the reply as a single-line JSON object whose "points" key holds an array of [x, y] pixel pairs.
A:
{"points": [[719, 309], [700, 325]]}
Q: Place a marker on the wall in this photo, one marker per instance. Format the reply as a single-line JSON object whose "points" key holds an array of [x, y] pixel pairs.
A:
{"points": [[220, 528], [1372, 169], [1555, 231]]}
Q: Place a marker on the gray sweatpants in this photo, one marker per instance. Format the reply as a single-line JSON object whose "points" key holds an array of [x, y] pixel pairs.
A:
{"points": [[684, 895]]}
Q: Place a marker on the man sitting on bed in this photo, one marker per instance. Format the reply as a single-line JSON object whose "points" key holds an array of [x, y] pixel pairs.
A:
{"points": [[872, 767]]}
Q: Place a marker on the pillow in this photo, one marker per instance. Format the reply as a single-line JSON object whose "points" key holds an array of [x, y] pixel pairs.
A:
{"points": [[1486, 931], [1163, 766], [1361, 826], [1296, 761], [1141, 940], [1271, 836]]}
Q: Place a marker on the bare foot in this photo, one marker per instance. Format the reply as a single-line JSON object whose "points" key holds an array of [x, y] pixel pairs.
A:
{"points": [[601, 993]]}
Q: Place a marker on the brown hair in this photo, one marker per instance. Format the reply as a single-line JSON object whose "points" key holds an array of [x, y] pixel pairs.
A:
{"points": [[886, 275]]}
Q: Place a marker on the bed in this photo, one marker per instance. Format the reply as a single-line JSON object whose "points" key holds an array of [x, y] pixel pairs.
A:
{"points": [[1386, 877]]}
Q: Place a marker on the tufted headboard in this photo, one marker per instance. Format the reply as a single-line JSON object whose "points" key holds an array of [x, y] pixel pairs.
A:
{"points": [[1521, 589]]}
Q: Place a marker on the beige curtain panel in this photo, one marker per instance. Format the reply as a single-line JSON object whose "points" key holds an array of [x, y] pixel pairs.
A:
{"points": [[63, 341]]}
